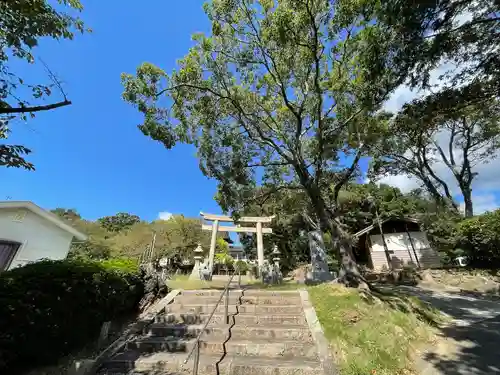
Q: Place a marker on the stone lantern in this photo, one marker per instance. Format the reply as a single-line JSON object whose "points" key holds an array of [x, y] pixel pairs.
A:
{"points": [[276, 256], [196, 274]]}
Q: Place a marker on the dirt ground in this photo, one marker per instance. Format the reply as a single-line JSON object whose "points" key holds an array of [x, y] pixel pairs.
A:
{"points": [[468, 343], [475, 282]]}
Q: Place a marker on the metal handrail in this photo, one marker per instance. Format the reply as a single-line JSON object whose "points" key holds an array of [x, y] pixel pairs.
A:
{"points": [[196, 347]]}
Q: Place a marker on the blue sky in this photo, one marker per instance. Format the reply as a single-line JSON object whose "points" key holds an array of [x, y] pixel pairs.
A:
{"points": [[90, 155]]}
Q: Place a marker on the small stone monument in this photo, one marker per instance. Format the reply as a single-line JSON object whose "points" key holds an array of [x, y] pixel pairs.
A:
{"points": [[196, 273], [277, 276], [319, 265], [276, 256]]}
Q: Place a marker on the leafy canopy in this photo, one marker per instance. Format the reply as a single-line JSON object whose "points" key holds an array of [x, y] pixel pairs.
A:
{"points": [[464, 34], [278, 95], [461, 141], [279, 87], [22, 24], [118, 222]]}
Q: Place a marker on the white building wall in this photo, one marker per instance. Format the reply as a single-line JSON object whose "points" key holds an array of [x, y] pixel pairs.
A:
{"points": [[401, 251], [39, 237]]}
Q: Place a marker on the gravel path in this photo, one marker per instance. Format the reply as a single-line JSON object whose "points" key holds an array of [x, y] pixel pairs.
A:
{"points": [[470, 344]]}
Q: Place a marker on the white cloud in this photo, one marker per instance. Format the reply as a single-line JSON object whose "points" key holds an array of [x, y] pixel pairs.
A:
{"points": [[487, 182], [165, 215]]}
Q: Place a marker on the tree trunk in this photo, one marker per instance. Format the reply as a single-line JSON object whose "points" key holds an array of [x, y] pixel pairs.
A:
{"points": [[467, 194], [349, 272]]}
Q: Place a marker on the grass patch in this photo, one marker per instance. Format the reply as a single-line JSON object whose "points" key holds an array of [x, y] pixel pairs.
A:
{"points": [[376, 337]]}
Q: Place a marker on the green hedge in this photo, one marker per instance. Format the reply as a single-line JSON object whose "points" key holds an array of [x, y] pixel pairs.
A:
{"points": [[479, 238], [126, 265], [50, 308]]}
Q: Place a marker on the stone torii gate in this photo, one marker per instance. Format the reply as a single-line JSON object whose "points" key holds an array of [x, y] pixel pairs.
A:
{"points": [[214, 228]]}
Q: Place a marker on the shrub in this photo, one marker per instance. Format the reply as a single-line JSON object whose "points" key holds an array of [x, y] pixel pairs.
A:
{"points": [[50, 308], [241, 266], [127, 265], [479, 238]]}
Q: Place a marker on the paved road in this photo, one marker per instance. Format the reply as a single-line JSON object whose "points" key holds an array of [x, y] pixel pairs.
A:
{"points": [[470, 344]]}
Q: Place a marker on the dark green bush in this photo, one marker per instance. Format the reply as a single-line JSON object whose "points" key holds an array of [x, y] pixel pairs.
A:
{"points": [[127, 265], [241, 266], [50, 308], [479, 239]]}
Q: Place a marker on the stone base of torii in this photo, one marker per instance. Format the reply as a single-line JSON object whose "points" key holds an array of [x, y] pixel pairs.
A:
{"points": [[214, 227]]}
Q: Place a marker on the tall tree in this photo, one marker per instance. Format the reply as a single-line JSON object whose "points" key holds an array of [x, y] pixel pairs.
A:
{"points": [[22, 24], [430, 146], [118, 222], [178, 236], [70, 214], [464, 34], [277, 95]]}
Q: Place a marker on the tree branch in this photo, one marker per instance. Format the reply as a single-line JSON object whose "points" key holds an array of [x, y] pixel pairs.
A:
{"points": [[425, 164], [40, 108], [347, 174]]}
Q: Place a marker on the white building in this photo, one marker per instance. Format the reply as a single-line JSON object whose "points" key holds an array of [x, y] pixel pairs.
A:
{"points": [[29, 233], [405, 245]]}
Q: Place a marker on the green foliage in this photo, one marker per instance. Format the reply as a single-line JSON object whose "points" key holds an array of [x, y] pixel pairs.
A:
{"points": [[98, 244], [126, 265], [242, 266], [70, 215], [465, 34], [224, 259], [222, 256], [422, 139], [356, 212], [279, 95], [479, 238], [50, 308], [23, 23], [178, 236], [372, 338], [118, 222], [221, 245], [455, 121]]}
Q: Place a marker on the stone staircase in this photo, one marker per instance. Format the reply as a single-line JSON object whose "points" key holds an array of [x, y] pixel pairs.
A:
{"points": [[267, 334]]}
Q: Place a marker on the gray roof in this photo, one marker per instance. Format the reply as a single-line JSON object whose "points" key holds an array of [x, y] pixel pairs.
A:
{"points": [[371, 227], [49, 216]]}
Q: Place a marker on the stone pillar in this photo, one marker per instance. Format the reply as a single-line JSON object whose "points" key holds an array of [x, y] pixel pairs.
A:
{"points": [[320, 271], [213, 242], [195, 274], [260, 246]]}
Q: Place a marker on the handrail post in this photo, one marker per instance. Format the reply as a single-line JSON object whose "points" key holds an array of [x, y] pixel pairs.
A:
{"points": [[226, 307], [196, 357], [196, 349], [239, 278]]}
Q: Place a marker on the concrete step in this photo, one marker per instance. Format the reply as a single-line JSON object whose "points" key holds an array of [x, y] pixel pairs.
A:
{"points": [[266, 348], [245, 292], [221, 331], [293, 300], [134, 362], [240, 318], [259, 309]]}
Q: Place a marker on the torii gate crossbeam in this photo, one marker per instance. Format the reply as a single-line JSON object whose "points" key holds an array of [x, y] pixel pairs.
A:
{"points": [[214, 227]]}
